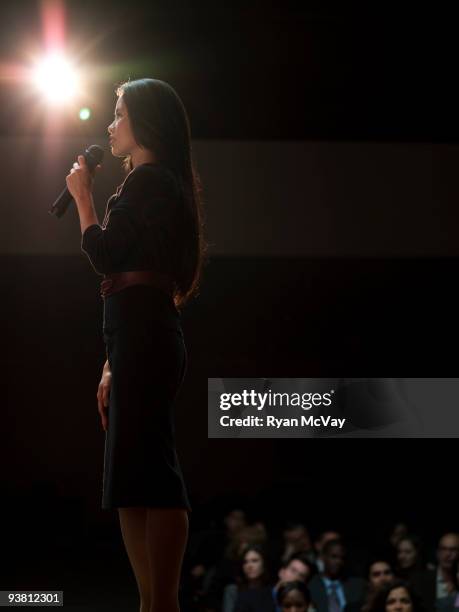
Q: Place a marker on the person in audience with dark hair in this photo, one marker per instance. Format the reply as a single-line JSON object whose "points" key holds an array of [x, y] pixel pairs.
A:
{"points": [[297, 540], [450, 603], [252, 587], [399, 531], [297, 568], [397, 596], [235, 520], [320, 542], [379, 573], [412, 569], [447, 554], [229, 564], [332, 589], [294, 597], [409, 555]]}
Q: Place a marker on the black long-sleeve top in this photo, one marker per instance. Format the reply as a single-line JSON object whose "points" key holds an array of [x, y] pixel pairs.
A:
{"points": [[141, 228]]}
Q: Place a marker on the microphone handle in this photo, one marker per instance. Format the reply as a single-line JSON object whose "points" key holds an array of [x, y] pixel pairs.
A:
{"points": [[65, 197], [61, 204]]}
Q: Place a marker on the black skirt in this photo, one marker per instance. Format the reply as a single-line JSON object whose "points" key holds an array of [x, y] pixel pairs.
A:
{"points": [[148, 359]]}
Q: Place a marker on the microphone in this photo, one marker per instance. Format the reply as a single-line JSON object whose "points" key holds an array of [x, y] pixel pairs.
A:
{"points": [[93, 156]]}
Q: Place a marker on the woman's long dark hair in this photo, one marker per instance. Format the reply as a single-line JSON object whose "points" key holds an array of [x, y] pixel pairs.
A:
{"points": [[266, 576], [159, 123]]}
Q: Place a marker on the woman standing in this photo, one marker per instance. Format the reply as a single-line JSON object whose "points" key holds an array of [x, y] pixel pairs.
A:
{"points": [[151, 251]]}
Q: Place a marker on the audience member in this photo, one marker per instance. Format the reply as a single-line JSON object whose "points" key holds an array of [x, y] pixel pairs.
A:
{"points": [[450, 603], [447, 554], [412, 569], [397, 596], [252, 588], [320, 542], [399, 531], [294, 596], [332, 589], [379, 573], [297, 540]]}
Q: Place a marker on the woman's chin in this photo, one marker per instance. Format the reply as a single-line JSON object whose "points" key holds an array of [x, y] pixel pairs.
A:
{"points": [[116, 152]]}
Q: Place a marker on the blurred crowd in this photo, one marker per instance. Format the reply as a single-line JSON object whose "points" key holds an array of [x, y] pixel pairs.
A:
{"points": [[241, 568]]}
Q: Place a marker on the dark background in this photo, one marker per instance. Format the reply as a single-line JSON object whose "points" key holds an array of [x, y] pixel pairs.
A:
{"points": [[249, 72]]}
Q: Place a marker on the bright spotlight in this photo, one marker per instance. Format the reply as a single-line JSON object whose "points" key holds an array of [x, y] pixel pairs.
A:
{"points": [[56, 79]]}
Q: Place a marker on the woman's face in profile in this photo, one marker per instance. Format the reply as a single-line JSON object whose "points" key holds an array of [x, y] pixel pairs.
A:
{"points": [[121, 138], [253, 565], [294, 602], [399, 600]]}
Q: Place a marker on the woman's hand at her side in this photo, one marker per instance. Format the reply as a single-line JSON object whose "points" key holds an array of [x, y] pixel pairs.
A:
{"points": [[103, 393]]}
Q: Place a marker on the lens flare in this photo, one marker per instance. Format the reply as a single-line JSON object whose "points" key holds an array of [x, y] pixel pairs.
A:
{"points": [[56, 79], [84, 114]]}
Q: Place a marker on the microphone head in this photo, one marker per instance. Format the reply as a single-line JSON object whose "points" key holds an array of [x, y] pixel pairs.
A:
{"points": [[95, 155]]}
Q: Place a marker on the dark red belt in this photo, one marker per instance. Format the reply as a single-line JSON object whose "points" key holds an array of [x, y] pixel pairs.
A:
{"points": [[120, 280]]}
